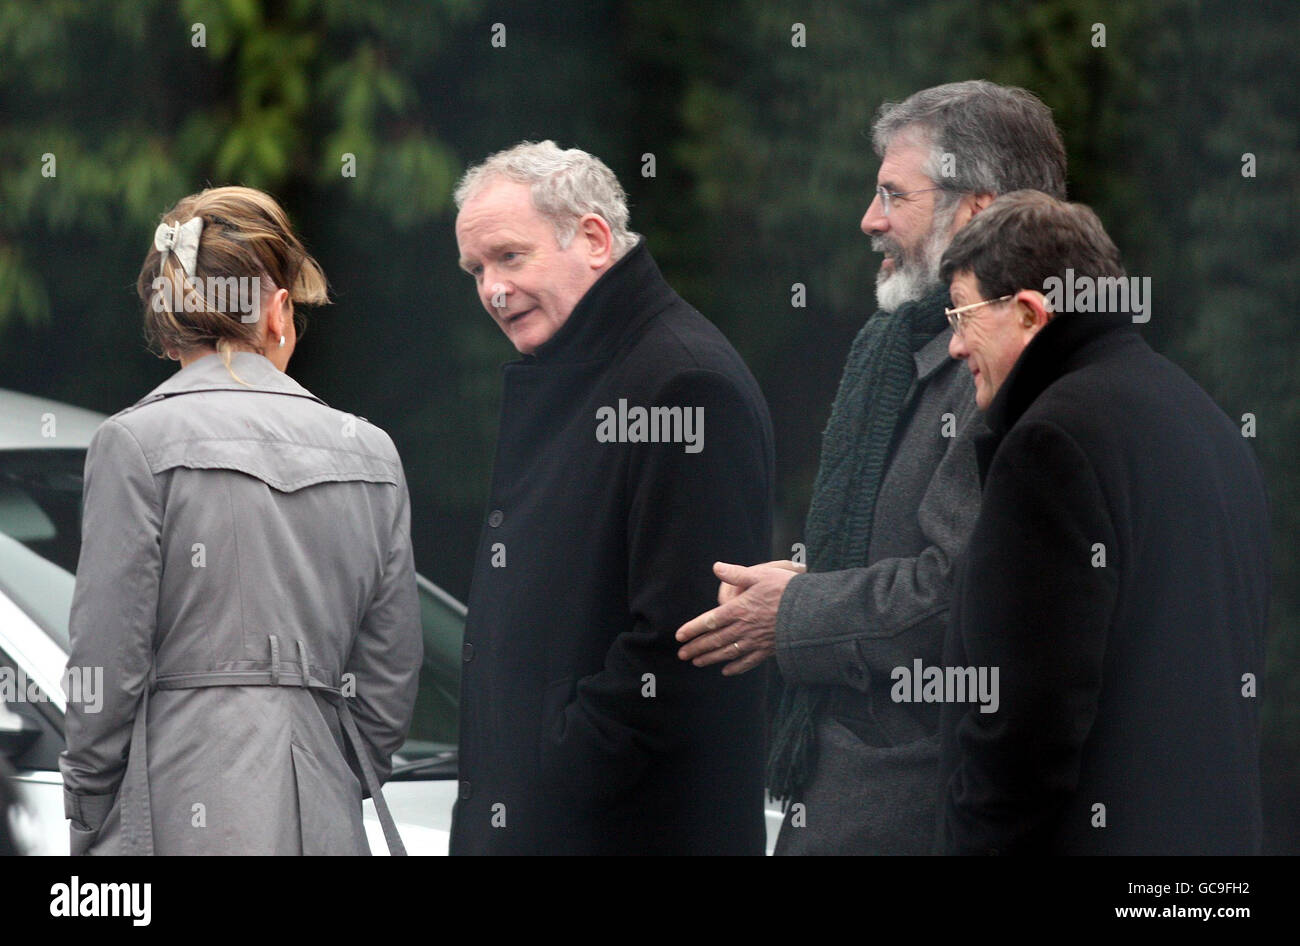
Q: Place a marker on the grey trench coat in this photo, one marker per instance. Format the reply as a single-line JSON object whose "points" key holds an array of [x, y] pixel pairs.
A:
{"points": [[247, 584]]}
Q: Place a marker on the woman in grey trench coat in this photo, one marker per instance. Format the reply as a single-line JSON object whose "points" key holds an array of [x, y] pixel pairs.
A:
{"points": [[246, 579]]}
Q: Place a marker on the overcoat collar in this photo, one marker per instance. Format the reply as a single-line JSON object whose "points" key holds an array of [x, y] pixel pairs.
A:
{"points": [[625, 296], [1069, 340], [933, 355], [209, 374], [1061, 344]]}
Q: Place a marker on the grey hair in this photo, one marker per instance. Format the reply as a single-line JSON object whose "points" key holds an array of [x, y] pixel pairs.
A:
{"points": [[1000, 138], [565, 185]]}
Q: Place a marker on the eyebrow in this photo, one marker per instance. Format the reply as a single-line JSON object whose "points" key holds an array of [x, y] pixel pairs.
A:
{"points": [[495, 250], [894, 188]]}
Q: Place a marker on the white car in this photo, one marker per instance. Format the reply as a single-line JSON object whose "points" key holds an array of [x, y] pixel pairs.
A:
{"points": [[42, 456]]}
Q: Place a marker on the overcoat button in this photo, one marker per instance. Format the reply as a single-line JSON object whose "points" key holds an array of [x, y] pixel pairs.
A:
{"points": [[467, 652], [464, 788], [496, 517]]}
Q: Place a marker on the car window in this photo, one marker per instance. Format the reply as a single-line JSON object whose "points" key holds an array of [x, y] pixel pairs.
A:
{"points": [[437, 705], [40, 502]]}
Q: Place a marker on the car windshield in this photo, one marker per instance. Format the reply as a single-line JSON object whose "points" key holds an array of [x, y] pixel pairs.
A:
{"points": [[40, 542]]}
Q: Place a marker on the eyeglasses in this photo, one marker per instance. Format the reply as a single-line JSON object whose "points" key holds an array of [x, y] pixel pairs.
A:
{"points": [[957, 317], [887, 196]]}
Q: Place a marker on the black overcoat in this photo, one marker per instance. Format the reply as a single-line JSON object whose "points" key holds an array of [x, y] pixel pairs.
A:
{"points": [[1118, 577], [581, 730]]}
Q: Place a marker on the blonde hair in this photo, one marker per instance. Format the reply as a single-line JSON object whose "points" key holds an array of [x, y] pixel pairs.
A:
{"points": [[245, 234]]}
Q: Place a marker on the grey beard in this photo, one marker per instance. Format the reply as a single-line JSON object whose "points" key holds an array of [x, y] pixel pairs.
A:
{"points": [[905, 285], [914, 279]]}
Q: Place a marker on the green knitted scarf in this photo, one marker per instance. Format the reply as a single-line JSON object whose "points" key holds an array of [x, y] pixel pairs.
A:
{"points": [[855, 449]]}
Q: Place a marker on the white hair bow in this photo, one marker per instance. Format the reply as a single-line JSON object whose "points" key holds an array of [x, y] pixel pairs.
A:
{"points": [[181, 239]]}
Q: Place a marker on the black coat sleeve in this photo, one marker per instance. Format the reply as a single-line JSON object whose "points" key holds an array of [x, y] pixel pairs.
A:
{"points": [[1034, 602], [685, 510]]}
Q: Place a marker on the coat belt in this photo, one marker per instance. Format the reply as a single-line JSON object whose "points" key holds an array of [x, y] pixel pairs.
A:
{"points": [[136, 805]]}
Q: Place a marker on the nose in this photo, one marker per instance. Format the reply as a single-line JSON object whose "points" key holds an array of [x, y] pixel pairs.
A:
{"points": [[957, 347], [495, 293], [874, 221]]}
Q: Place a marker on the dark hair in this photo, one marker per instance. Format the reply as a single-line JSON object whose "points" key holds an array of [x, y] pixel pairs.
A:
{"points": [[1026, 237], [1001, 138]]}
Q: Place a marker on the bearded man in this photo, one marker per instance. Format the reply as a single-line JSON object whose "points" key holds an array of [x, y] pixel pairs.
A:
{"points": [[894, 502]]}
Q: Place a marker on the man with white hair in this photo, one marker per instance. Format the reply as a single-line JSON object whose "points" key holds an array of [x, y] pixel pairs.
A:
{"points": [[634, 451], [853, 754]]}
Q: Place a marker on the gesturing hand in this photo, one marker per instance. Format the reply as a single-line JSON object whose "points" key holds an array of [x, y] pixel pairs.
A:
{"points": [[741, 631]]}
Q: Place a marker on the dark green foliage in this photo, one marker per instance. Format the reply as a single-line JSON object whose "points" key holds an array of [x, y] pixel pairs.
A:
{"points": [[763, 171]]}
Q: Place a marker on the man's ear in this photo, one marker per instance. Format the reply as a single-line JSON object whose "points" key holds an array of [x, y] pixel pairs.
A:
{"points": [[1033, 311], [970, 205], [597, 240], [980, 201]]}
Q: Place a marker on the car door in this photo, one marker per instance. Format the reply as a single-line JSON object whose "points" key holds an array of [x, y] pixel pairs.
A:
{"points": [[32, 702]]}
